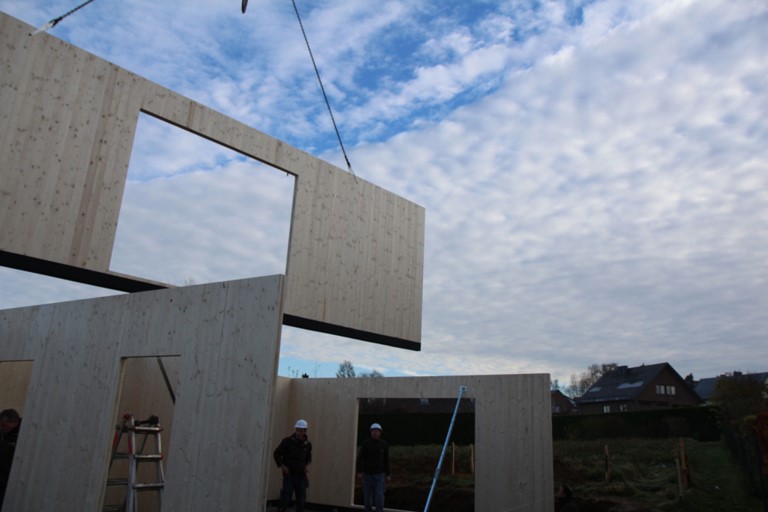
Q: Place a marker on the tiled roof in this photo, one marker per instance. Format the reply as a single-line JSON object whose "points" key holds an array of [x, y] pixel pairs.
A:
{"points": [[622, 383], [705, 387]]}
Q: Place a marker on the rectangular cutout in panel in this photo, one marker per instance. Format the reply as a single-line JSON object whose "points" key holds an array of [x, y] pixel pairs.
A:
{"points": [[147, 398], [195, 212], [415, 429]]}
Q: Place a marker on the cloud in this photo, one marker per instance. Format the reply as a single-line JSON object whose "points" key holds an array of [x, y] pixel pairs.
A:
{"points": [[593, 173]]}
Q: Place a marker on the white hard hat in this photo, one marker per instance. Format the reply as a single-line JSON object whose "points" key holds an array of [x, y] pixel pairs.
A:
{"points": [[300, 424], [375, 425]]}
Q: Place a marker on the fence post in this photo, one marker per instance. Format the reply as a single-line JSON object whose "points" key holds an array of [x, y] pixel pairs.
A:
{"points": [[453, 458]]}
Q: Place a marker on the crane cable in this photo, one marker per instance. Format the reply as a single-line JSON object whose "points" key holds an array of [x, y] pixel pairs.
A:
{"points": [[55, 21], [320, 81]]}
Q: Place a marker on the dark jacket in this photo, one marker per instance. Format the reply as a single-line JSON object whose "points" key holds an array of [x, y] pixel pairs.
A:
{"points": [[7, 450], [373, 457], [565, 504], [295, 454]]}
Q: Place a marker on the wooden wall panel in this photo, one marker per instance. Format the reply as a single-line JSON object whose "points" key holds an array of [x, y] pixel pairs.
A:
{"points": [[371, 246], [66, 143], [14, 383], [227, 338], [282, 422], [513, 434], [67, 123]]}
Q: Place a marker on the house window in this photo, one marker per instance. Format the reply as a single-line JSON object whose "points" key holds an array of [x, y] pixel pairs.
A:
{"points": [[659, 389], [606, 408], [623, 407], [671, 390]]}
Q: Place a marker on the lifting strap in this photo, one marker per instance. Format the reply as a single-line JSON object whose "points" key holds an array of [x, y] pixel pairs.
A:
{"points": [[55, 21]]}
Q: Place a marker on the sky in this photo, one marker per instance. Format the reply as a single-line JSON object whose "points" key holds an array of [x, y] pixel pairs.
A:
{"points": [[594, 173]]}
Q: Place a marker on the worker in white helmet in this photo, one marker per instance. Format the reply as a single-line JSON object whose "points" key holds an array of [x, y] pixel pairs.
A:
{"points": [[293, 456], [373, 467]]}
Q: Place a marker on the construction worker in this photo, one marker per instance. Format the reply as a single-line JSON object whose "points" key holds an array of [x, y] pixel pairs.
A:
{"points": [[293, 456], [10, 422], [373, 466]]}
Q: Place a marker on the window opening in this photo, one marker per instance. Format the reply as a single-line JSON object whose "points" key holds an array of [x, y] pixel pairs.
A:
{"points": [[196, 212]]}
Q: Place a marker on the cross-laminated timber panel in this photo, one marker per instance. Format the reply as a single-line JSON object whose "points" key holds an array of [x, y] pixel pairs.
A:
{"points": [[67, 123], [513, 433], [226, 337]]}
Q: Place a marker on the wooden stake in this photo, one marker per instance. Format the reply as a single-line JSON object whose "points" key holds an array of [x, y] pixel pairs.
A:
{"points": [[453, 459], [679, 475], [684, 466], [472, 458], [607, 466]]}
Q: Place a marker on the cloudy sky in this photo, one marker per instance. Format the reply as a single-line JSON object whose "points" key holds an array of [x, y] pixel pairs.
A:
{"points": [[594, 173]]}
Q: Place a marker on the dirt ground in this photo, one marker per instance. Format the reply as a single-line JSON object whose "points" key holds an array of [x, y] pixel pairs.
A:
{"points": [[409, 491]]}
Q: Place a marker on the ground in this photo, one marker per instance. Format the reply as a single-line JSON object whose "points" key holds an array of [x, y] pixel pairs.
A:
{"points": [[413, 470]]}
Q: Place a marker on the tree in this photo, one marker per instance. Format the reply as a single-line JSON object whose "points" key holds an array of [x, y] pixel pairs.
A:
{"points": [[580, 384], [346, 370], [740, 397]]}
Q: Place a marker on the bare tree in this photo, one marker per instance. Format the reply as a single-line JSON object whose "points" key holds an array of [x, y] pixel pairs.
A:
{"points": [[346, 370], [581, 383]]}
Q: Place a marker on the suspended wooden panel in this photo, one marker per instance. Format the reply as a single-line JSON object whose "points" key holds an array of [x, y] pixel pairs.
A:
{"points": [[67, 123]]}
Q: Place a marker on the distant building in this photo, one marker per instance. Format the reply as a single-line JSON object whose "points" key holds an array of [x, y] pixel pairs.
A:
{"points": [[706, 387], [654, 386], [563, 404]]}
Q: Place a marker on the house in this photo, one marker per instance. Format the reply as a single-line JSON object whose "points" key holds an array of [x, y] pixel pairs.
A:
{"points": [[706, 387], [655, 386], [562, 404]]}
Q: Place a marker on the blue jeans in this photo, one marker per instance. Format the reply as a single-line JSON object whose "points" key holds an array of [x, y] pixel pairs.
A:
{"points": [[291, 484], [374, 486]]}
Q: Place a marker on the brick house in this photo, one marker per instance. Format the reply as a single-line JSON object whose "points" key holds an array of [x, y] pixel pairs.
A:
{"points": [[562, 404], [655, 386]]}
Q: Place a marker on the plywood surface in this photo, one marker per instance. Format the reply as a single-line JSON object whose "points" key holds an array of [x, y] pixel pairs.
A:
{"points": [[67, 123], [513, 434], [226, 337]]}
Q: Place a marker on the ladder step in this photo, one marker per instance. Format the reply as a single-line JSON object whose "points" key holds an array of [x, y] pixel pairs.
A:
{"points": [[132, 430], [139, 456], [149, 487], [155, 457], [148, 430]]}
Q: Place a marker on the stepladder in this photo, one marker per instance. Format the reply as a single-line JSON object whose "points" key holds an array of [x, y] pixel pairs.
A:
{"points": [[136, 466]]}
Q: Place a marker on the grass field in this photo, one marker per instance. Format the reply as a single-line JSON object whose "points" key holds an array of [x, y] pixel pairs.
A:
{"points": [[642, 476]]}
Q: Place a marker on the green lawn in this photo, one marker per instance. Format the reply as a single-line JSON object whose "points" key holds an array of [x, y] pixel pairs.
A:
{"points": [[642, 476]]}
